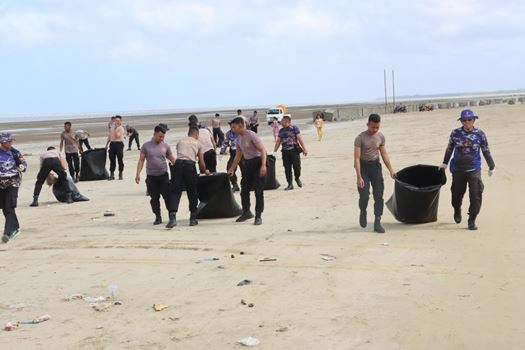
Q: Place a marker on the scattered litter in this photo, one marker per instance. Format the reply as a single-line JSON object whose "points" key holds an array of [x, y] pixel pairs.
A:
{"points": [[109, 212], [251, 305], [94, 299], [74, 297], [11, 326], [118, 302], [112, 289], [210, 259], [249, 341], [174, 318], [97, 219], [268, 259], [159, 307], [415, 265], [282, 329], [99, 327], [385, 244], [100, 306], [220, 267], [242, 253], [327, 257], [244, 283], [37, 320], [19, 306], [232, 256], [243, 302], [289, 230]]}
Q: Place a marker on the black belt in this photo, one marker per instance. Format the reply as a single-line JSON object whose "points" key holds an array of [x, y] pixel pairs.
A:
{"points": [[185, 161]]}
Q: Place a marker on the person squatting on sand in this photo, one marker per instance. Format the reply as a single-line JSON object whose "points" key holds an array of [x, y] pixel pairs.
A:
{"points": [[154, 153], [12, 164], [61, 189], [465, 144], [218, 135], [83, 139], [253, 172], [50, 161], [133, 135], [184, 174], [207, 143], [319, 125], [292, 146], [115, 144], [367, 147], [230, 142], [69, 143]]}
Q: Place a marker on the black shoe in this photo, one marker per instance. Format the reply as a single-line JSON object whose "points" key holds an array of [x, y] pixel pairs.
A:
{"points": [[193, 219], [75, 178], [362, 219], [111, 176], [299, 183], [173, 222], [129, 149], [138, 149], [35, 202], [5, 238], [472, 223], [120, 176], [245, 216], [377, 225], [290, 187], [457, 216], [258, 221], [236, 188], [158, 220]]}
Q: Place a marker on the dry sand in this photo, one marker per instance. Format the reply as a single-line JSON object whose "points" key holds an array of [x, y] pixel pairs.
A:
{"points": [[431, 286]]}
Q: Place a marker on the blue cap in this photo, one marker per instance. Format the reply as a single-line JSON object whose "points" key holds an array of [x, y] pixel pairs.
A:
{"points": [[467, 114], [5, 137]]}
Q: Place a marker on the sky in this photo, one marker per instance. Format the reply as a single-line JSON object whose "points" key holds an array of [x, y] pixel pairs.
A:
{"points": [[66, 56]]}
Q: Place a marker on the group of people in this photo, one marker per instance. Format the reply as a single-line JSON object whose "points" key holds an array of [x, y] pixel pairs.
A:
{"points": [[247, 152], [464, 147]]}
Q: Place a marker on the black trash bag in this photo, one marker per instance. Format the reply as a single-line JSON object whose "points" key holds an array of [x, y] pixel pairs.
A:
{"points": [[61, 189], [216, 199], [93, 166], [270, 180], [416, 194]]}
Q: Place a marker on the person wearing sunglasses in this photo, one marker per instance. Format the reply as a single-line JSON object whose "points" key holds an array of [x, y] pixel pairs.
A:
{"points": [[464, 145]]}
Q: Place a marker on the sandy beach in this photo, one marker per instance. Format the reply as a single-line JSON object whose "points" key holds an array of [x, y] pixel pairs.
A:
{"points": [[430, 286]]}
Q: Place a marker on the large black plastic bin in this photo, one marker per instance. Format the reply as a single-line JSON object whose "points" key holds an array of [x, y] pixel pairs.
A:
{"points": [[416, 194]]}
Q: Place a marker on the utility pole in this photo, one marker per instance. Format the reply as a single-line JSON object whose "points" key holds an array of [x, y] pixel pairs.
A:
{"points": [[393, 90], [386, 98]]}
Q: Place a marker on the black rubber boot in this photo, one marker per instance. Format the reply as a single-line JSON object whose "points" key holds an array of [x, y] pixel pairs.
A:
{"points": [[173, 222], [457, 216], [158, 219], [245, 216], [377, 225], [193, 219], [258, 220], [362, 219], [120, 176], [35, 202], [472, 223], [290, 187], [111, 176]]}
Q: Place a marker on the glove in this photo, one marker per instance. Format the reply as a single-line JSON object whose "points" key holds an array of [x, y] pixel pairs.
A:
{"points": [[443, 166], [491, 172], [21, 168]]}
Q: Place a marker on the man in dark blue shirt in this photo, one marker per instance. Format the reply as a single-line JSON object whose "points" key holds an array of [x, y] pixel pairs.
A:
{"points": [[292, 146], [465, 144]]}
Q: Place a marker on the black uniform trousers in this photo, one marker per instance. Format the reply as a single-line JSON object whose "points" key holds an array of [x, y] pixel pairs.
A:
{"points": [[84, 142], [233, 178], [183, 174], [134, 137], [291, 159], [371, 172], [116, 152], [218, 136], [8, 202], [73, 163], [251, 178], [460, 180], [158, 186], [48, 165]]}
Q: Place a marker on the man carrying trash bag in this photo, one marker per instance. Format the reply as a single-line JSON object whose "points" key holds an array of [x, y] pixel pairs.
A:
{"points": [[367, 147], [465, 144]]}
